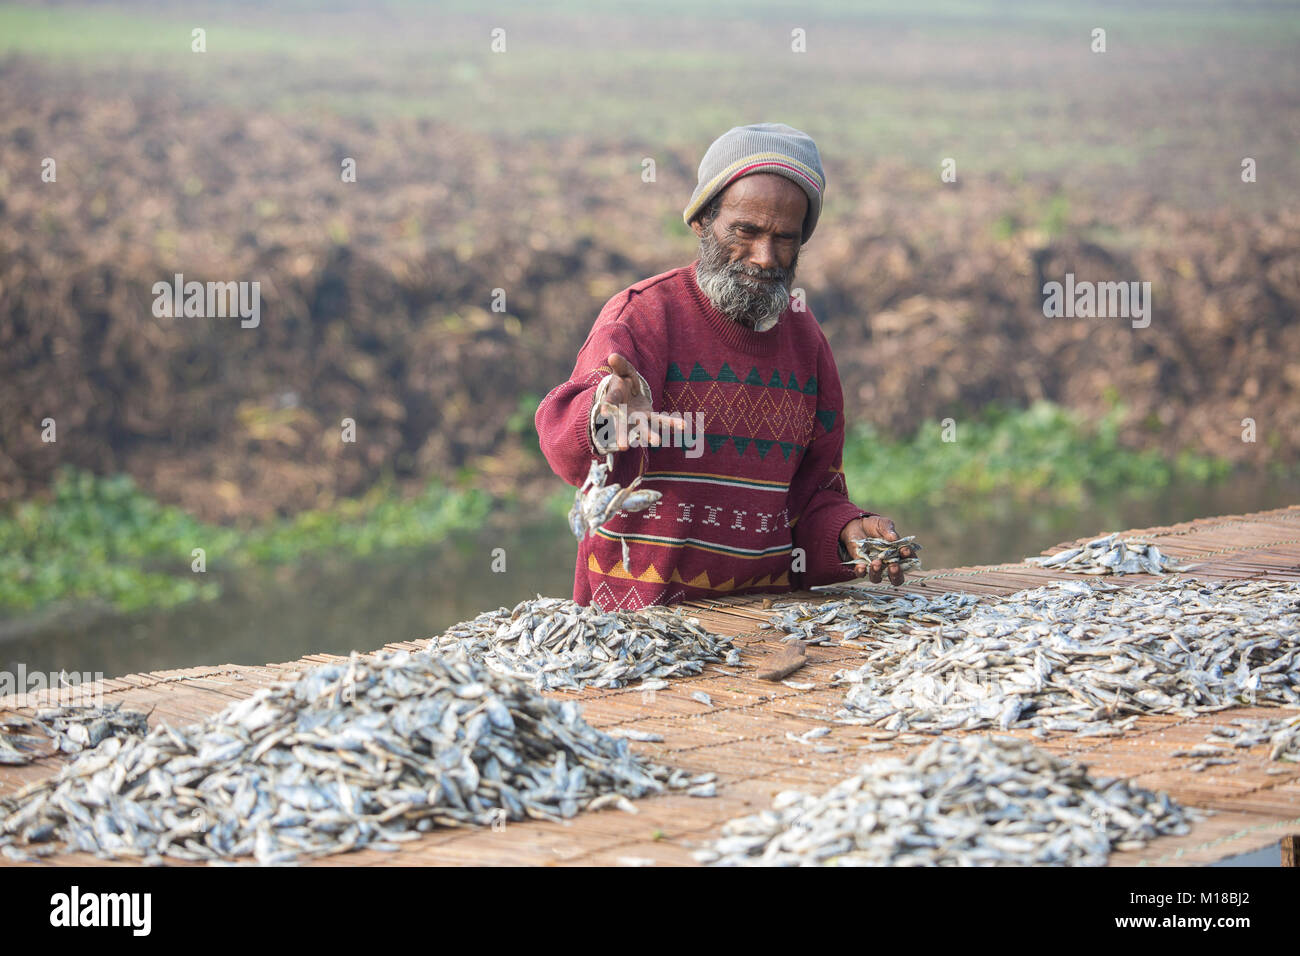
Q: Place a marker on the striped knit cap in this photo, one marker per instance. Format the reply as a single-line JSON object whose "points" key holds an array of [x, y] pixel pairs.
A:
{"points": [[761, 148]]}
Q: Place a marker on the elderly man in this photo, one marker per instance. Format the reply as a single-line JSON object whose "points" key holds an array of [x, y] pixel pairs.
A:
{"points": [[757, 502]]}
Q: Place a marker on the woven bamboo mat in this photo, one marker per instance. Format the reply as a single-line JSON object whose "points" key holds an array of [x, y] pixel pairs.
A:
{"points": [[742, 736]]}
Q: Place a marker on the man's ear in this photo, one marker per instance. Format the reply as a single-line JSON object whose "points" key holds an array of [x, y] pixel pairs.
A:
{"points": [[698, 227]]}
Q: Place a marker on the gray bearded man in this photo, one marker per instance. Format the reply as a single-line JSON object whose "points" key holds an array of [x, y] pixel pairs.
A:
{"points": [[758, 502]]}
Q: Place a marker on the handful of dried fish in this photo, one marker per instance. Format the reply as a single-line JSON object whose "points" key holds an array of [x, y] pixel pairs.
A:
{"points": [[359, 753], [867, 615], [1110, 555], [1077, 656], [1280, 734], [596, 502], [887, 552], [555, 642], [72, 729], [977, 801]]}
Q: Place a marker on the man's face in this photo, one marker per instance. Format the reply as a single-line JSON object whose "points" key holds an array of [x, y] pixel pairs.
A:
{"points": [[749, 251]]}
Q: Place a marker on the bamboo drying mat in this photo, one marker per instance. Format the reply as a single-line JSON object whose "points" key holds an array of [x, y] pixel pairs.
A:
{"points": [[742, 736]]}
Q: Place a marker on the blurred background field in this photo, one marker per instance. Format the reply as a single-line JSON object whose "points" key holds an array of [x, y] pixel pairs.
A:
{"points": [[522, 171]]}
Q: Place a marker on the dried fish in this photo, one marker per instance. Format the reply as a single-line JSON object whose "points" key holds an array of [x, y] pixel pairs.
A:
{"points": [[1280, 734], [1110, 555], [557, 643], [364, 752], [595, 502], [72, 729], [975, 801], [1084, 657], [641, 735], [863, 618], [808, 737], [18, 748], [887, 552]]}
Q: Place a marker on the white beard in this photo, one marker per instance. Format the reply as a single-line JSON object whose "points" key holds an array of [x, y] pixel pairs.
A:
{"points": [[741, 301]]}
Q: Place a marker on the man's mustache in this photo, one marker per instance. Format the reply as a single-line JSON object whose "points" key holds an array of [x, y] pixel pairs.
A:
{"points": [[754, 272]]}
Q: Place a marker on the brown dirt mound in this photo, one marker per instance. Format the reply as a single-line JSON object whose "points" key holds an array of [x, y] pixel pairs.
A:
{"points": [[376, 299]]}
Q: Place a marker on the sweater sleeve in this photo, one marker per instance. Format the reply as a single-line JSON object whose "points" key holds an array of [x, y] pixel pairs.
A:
{"points": [[819, 497], [563, 418]]}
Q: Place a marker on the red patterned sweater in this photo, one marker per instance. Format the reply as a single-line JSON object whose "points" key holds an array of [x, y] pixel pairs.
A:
{"points": [[769, 480]]}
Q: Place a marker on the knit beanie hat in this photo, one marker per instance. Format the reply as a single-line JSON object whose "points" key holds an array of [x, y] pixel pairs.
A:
{"points": [[761, 148]]}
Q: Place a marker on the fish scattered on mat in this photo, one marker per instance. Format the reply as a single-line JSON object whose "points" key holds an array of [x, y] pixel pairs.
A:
{"points": [[977, 801], [643, 736], [1280, 734], [1086, 657], [1110, 555], [808, 737], [860, 619]]}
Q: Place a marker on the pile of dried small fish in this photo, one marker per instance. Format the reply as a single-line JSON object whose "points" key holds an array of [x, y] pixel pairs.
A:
{"points": [[1110, 555], [887, 552], [557, 643], [1280, 734], [16, 746], [1079, 656], [358, 753], [868, 615], [596, 502], [72, 729], [977, 801]]}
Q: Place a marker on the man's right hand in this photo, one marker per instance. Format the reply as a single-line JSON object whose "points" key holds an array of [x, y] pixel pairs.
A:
{"points": [[632, 420]]}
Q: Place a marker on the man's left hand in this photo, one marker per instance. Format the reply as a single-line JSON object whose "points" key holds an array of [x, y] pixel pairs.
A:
{"points": [[877, 526]]}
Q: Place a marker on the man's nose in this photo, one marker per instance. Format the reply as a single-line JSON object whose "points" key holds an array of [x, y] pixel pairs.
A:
{"points": [[762, 254]]}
